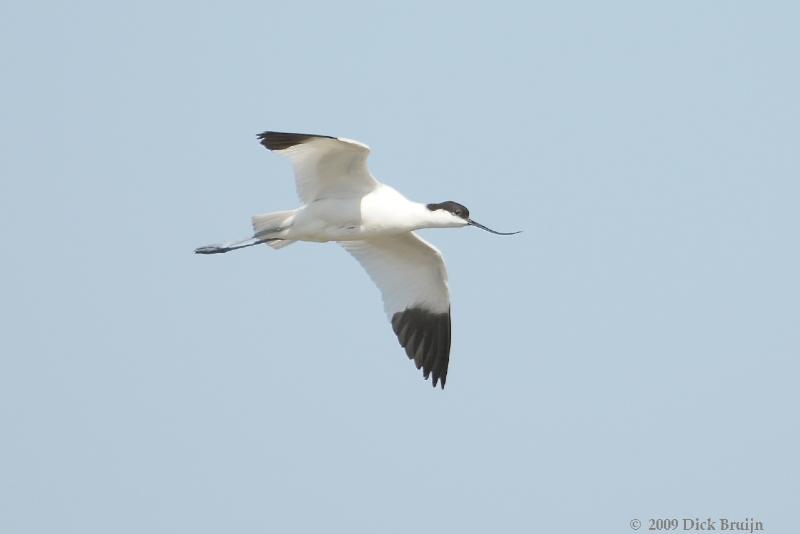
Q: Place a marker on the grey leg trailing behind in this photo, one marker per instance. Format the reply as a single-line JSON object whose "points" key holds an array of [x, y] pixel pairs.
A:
{"points": [[232, 245]]}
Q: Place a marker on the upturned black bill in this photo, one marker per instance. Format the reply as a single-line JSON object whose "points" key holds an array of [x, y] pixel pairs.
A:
{"points": [[482, 227]]}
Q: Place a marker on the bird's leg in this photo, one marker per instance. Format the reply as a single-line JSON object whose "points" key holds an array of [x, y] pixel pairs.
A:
{"points": [[231, 245]]}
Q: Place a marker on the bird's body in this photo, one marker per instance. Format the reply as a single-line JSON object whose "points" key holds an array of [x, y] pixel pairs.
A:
{"points": [[375, 223], [382, 211]]}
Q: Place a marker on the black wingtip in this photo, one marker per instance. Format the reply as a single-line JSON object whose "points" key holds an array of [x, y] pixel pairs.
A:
{"points": [[284, 140], [425, 336]]}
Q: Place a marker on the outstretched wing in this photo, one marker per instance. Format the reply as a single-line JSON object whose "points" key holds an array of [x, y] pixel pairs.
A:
{"points": [[324, 166], [412, 277]]}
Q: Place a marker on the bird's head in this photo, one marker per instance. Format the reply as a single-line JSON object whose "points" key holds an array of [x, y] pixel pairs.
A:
{"points": [[454, 215]]}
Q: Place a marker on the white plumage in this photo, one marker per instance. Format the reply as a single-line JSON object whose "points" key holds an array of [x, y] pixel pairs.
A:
{"points": [[408, 270], [343, 202], [326, 167]]}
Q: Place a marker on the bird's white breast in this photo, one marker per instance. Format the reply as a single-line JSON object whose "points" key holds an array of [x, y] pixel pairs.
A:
{"points": [[383, 211], [386, 211]]}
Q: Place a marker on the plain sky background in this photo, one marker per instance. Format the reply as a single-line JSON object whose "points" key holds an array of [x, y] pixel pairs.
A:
{"points": [[633, 354]]}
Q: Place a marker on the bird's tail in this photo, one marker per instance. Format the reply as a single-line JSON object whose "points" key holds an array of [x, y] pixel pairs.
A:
{"points": [[273, 225]]}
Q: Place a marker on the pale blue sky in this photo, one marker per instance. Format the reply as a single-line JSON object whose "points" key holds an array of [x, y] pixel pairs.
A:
{"points": [[633, 354]]}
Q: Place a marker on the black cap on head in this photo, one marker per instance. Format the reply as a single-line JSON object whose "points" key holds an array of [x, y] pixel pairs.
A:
{"points": [[453, 207]]}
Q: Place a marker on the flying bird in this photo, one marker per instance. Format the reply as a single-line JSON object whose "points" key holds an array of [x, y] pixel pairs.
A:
{"points": [[343, 202]]}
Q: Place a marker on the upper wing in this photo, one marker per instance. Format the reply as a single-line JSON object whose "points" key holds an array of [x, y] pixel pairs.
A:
{"points": [[413, 280], [324, 166]]}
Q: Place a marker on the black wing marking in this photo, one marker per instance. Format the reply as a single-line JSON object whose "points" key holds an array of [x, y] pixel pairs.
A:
{"points": [[426, 337], [283, 140]]}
